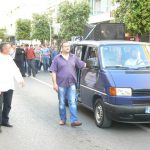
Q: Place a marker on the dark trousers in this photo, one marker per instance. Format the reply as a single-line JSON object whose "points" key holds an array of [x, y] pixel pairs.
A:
{"points": [[41, 64], [7, 100], [1, 102], [37, 65], [21, 66], [31, 67]]}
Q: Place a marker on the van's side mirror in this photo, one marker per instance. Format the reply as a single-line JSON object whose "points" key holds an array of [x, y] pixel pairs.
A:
{"points": [[92, 63]]}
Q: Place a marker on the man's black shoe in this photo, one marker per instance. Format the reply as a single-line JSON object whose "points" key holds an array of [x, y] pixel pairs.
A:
{"points": [[0, 129], [7, 125]]}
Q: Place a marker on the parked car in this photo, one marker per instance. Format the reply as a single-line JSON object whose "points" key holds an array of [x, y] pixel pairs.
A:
{"points": [[115, 83]]}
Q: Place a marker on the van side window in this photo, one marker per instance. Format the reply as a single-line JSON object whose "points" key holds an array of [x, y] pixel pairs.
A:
{"points": [[80, 51], [92, 56]]}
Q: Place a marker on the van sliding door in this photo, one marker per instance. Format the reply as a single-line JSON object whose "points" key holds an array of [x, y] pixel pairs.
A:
{"points": [[79, 51], [90, 76]]}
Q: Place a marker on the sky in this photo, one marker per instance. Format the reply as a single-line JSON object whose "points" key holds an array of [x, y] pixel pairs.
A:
{"points": [[20, 9]]}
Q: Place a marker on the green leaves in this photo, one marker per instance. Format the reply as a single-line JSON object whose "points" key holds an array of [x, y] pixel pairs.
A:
{"points": [[73, 17], [2, 33], [135, 14], [40, 27], [23, 29]]}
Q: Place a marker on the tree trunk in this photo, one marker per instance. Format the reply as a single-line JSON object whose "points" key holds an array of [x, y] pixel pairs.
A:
{"points": [[42, 42]]}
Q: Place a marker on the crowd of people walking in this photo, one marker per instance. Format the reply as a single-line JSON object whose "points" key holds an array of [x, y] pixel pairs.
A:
{"points": [[31, 59]]}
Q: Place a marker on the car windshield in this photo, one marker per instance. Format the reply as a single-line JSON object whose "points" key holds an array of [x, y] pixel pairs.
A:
{"points": [[126, 56]]}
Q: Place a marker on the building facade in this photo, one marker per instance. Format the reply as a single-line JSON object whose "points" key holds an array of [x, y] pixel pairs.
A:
{"points": [[100, 11]]}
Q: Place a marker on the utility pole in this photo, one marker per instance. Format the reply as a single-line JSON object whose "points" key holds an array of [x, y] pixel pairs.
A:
{"points": [[50, 33]]}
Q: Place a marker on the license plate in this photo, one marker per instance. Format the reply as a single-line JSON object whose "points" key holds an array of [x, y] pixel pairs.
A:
{"points": [[147, 110]]}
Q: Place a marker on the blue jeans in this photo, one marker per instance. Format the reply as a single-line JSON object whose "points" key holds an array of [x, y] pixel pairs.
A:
{"points": [[70, 94], [45, 63]]}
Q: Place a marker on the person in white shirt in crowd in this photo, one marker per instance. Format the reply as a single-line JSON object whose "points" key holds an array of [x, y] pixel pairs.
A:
{"points": [[8, 72]]}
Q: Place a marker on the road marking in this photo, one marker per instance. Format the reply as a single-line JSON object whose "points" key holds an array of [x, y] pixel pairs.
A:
{"points": [[143, 128], [40, 81]]}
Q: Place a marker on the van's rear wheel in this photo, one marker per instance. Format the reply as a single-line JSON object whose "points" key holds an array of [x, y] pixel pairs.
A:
{"points": [[100, 115]]}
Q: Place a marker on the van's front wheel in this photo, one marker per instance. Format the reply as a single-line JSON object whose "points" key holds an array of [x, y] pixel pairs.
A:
{"points": [[100, 115]]}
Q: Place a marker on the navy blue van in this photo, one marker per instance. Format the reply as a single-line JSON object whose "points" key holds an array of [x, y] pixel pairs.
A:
{"points": [[116, 82]]}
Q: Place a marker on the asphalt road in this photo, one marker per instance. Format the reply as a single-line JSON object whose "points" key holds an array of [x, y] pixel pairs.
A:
{"points": [[35, 118]]}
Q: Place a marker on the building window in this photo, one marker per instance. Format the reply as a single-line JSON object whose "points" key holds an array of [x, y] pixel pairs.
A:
{"points": [[99, 6], [91, 6]]}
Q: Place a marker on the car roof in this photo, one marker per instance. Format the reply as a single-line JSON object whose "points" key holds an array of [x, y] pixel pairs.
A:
{"points": [[98, 43]]}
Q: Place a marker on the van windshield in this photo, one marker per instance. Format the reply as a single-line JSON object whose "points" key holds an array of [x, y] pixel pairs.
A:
{"points": [[126, 56]]}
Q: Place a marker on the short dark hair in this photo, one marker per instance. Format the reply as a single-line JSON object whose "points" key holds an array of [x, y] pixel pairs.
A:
{"points": [[63, 42], [27, 45], [2, 45]]}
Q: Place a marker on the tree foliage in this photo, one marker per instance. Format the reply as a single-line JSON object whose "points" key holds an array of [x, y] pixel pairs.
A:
{"points": [[2, 33], [40, 27], [135, 14], [23, 29], [73, 18]]}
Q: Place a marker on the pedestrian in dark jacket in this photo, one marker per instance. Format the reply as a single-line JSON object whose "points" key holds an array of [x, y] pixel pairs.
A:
{"points": [[20, 59]]}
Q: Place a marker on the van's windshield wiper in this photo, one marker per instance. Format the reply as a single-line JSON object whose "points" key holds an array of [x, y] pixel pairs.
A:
{"points": [[117, 67], [143, 67]]}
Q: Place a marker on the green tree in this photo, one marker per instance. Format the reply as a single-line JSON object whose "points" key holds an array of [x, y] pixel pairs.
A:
{"points": [[23, 29], [73, 17], [2, 33], [135, 14], [40, 27]]}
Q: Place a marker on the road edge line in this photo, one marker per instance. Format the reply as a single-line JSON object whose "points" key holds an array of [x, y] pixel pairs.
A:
{"points": [[143, 128], [40, 81]]}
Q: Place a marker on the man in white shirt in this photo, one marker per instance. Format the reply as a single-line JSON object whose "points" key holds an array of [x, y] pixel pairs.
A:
{"points": [[135, 59], [9, 72]]}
